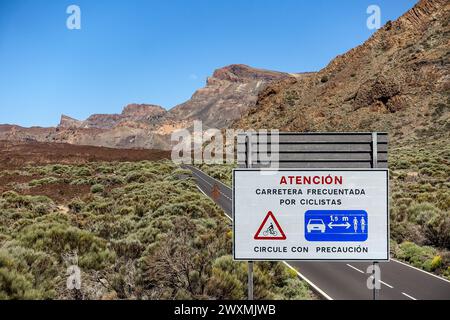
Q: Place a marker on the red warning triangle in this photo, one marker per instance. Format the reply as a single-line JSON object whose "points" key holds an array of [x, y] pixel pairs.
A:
{"points": [[270, 229]]}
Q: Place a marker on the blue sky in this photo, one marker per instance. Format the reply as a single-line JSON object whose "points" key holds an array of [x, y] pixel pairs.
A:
{"points": [[159, 51]]}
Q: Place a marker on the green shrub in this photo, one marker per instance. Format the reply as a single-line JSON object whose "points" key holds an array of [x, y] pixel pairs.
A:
{"points": [[58, 238], [436, 263], [14, 285], [81, 172], [295, 290], [437, 229], [128, 248], [97, 260], [43, 181], [97, 188], [59, 168], [76, 205], [105, 169], [110, 180], [435, 223], [225, 281], [26, 274], [402, 164], [37, 204], [101, 206], [134, 177], [420, 257], [421, 212], [125, 210], [81, 181]]}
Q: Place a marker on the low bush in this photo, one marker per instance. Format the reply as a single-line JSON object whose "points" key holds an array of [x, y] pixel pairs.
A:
{"points": [[43, 181], [424, 257], [26, 274], [35, 204], [76, 205], [59, 238], [226, 281], [152, 235], [97, 188]]}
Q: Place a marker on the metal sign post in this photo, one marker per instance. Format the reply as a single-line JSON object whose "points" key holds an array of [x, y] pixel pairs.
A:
{"points": [[375, 165], [250, 263]]}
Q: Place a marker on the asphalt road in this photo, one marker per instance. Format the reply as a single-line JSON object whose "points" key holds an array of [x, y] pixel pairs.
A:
{"points": [[346, 281]]}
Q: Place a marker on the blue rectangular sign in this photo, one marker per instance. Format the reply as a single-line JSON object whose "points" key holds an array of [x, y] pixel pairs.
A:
{"points": [[336, 225]]}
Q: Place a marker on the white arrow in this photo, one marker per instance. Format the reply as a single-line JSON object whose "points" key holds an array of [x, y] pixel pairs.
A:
{"points": [[346, 225]]}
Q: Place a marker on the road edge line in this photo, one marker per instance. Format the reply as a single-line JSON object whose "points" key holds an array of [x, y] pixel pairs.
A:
{"points": [[418, 269], [226, 215], [408, 296], [220, 182], [310, 283]]}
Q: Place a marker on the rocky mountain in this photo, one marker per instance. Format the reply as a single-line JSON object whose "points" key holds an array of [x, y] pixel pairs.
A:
{"points": [[397, 81], [228, 93], [131, 115]]}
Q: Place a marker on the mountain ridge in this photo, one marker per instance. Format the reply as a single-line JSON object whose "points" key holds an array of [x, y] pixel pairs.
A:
{"points": [[396, 81], [225, 97]]}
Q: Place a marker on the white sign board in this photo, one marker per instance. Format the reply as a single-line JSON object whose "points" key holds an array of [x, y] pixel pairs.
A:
{"points": [[330, 214]]}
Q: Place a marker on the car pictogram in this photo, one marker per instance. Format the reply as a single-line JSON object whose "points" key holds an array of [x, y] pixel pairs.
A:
{"points": [[315, 225]]}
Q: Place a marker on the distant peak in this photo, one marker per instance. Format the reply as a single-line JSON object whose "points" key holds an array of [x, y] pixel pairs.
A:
{"points": [[68, 122], [135, 109], [242, 72], [65, 117]]}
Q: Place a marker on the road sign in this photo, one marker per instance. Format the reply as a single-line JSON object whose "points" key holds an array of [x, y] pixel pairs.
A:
{"points": [[301, 214], [270, 229]]}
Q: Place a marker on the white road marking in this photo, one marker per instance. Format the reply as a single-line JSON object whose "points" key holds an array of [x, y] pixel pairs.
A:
{"points": [[202, 191], [387, 285], [224, 195], [316, 288], [407, 295], [355, 268], [198, 176], [426, 272], [360, 271]]}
